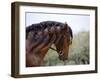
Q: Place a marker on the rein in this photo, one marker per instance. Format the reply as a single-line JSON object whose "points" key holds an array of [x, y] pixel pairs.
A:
{"points": [[53, 49]]}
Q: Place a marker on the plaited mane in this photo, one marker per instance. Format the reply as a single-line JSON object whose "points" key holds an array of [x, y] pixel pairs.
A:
{"points": [[43, 25]]}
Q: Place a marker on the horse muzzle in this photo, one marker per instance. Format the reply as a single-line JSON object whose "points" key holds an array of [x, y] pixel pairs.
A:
{"points": [[62, 57]]}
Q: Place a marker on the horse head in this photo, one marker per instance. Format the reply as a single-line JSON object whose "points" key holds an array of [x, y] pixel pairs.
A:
{"points": [[63, 42]]}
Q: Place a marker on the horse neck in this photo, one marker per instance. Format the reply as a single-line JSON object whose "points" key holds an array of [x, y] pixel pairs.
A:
{"points": [[43, 53], [45, 49]]}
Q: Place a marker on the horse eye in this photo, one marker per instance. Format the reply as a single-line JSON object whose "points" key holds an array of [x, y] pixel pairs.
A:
{"points": [[60, 52]]}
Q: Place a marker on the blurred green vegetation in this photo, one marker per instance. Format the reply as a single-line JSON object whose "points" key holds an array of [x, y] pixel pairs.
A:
{"points": [[78, 53]]}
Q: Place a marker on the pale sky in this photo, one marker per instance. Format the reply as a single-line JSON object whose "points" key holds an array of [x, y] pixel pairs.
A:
{"points": [[78, 23]]}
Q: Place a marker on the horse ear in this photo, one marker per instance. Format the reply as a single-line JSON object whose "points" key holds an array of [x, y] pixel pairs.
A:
{"points": [[65, 25]]}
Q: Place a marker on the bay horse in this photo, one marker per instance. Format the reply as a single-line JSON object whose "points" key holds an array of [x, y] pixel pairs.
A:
{"points": [[40, 37]]}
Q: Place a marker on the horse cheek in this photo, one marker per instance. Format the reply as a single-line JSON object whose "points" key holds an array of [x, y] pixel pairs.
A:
{"points": [[66, 49]]}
